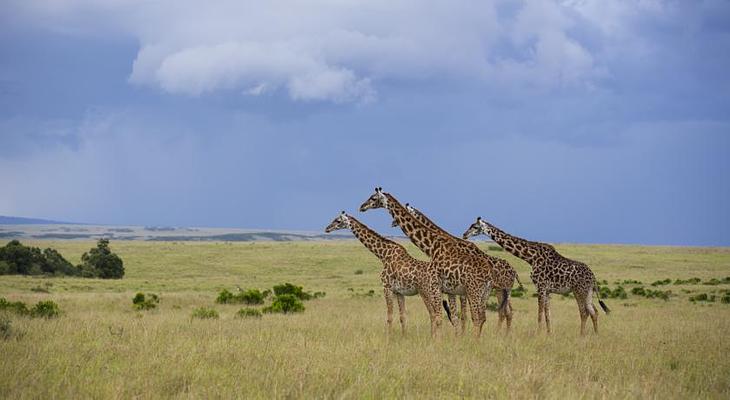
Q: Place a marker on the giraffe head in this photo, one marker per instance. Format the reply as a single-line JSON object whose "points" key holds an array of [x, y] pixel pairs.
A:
{"points": [[477, 228], [342, 221], [410, 210], [377, 200]]}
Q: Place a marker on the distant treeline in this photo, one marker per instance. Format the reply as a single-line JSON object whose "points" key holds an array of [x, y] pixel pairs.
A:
{"points": [[98, 262]]}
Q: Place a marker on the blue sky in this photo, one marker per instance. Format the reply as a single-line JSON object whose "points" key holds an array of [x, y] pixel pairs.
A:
{"points": [[572, 121]]}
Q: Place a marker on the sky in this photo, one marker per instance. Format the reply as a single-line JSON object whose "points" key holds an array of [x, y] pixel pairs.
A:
{"points": [[586, 121]]}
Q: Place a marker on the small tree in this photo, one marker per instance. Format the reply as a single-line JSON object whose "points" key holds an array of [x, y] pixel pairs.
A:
{"points": [[103, 262]]}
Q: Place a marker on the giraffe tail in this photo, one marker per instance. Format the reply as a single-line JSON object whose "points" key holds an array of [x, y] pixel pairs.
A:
{"points": [[598, 294], [448, 310]]}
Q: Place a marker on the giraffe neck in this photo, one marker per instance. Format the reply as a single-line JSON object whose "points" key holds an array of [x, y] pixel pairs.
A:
{"points": [[524, 249], [425, 239], [422, 218], [377, 244]]}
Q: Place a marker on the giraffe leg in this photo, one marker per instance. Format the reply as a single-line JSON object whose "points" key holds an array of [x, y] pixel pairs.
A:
{"points": [[462, 313], [580, 299], [592, 311], [435, 295], [508, 314], [476, 295], [540, 310], [389, 306], [547, 313], [500, 312], [402, 311]]}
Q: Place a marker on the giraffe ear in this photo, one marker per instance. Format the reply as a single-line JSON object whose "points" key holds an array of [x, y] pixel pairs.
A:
{"points": [[479, 218], [408, 204]]}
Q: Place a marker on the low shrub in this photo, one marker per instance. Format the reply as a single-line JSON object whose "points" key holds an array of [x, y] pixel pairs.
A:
{"points": [[250, 296], [358, 272], [629, 282], [141, 302], [690, 281], [712, 282], [205, 313], [319, 295], [45, 309], [662, 282], [703, 297], [519, 291], [285, 303], [288, 288], [224, 297], [495, 248], [248, 312], [725, 299], [17, 307], [618, 293]]}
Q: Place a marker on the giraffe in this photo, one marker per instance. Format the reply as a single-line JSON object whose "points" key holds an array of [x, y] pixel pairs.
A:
{"points": [[461, 273], [503, 275], [551, 273], [402, 275]]}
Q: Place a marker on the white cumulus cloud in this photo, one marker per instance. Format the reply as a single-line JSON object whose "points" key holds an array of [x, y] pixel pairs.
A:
{"points": [[340, 51]]}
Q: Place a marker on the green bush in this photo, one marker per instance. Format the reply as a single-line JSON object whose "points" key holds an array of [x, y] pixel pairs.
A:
{"points": [[100, 262], [712, 282], [495, 248], [205, 313], [17, 307], [285, 303], [142, 302], [629, 282], [703, 297], [248, 312], [663, 282], [250, 296], [296, 291], [224, 297], [691, 281], [318, 295], [45, 309], [519, 291], [358, 272], [725, 299], [639, 291], [618, 293]]}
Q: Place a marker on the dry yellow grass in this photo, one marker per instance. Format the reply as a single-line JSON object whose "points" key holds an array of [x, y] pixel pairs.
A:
{"points": [[102, 348]]}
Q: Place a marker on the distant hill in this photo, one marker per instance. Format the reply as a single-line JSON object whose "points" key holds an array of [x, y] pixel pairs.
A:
{"points": [[6, 220]]}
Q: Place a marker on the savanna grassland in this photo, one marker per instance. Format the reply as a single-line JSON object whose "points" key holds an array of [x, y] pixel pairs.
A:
{"points": [[100, 347]]}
